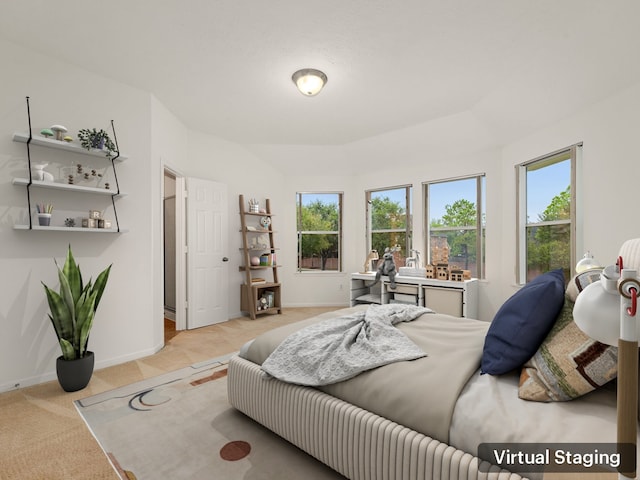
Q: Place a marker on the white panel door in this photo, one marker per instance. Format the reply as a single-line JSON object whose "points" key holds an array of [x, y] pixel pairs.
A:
{"points": [[207, 256]]}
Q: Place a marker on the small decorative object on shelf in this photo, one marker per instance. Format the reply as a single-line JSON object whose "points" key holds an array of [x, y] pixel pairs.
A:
{"points": [[263, 304], [38, 173], [254, 206], [69, 222], [68, 139], [77, 174], [265, 222], [44, 219], [46, 132], [96, 139], [44, 214], [58, 131]]}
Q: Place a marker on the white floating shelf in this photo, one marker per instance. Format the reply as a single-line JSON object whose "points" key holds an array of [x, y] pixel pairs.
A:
{"points": [[65, 186], [69, 229], [62, 145]]}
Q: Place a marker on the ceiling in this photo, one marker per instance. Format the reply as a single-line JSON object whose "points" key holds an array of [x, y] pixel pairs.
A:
{"points": [[498, 68]]}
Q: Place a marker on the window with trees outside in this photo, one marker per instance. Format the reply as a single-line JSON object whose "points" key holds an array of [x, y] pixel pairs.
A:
{"points": [[456, 222], [319, 232], [389, 221], [546, 214]]}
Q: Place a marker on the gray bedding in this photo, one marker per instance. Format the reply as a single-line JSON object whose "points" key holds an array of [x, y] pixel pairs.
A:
{"points": [[420, 394], [340, 348]]}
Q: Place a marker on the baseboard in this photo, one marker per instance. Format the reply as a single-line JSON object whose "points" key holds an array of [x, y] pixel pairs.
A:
{"points": [[50, 376]]}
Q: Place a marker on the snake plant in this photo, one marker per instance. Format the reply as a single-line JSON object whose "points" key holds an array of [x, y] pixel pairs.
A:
{"points": [[72, 310]]}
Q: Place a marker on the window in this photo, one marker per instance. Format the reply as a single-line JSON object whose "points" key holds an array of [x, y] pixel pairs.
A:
{"points": [[546, 214], [389, 221], [455, 219], [319, 231]]}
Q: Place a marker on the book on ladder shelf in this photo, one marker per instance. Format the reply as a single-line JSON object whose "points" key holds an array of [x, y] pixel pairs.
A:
{"points": [[258, 295]]}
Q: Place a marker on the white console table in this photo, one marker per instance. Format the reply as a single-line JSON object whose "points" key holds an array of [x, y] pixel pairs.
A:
{"points": [[459, 299]]}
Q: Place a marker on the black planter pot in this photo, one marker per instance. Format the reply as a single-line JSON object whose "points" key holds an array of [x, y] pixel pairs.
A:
{"points": [[74, 375]]}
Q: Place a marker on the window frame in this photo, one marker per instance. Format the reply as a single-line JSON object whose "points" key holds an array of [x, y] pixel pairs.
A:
{"points": [[481, 180], [408, 230], [299, 232], [522, 223]]}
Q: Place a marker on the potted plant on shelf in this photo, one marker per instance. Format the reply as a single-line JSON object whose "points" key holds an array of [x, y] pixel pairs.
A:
{"points": [[72, 312], [98, 139]]}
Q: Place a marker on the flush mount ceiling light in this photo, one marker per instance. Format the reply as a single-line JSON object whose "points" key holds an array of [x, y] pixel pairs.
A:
{"points": [[309, 81]]}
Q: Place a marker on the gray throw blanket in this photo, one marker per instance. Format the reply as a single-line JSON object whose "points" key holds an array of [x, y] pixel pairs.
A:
{"points": [[341, 348]]}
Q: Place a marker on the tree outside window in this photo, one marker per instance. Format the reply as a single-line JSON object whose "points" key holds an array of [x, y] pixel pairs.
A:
{"points": [[389, 221], [547, 215], [319, 231], [456, 220]]}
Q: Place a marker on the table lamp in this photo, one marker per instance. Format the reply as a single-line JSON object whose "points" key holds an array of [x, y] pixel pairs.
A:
{"points": [[606, 311]]}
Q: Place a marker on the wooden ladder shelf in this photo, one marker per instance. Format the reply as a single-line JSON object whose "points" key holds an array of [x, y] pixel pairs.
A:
{"points": [[258, 295]]}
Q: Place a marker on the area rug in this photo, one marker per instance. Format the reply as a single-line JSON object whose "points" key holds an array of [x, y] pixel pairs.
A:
{"points": [[181, 426]]}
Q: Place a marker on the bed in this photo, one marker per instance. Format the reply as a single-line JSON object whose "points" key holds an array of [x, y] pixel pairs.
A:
{"points": [[424, 418]]}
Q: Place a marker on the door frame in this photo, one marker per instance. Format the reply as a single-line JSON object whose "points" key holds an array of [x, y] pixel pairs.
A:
{"points": [[181, 245]]}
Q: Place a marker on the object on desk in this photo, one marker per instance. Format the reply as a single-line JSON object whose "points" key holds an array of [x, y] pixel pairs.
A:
{"points": [[456, 275], [412, 272], [368, 263]]}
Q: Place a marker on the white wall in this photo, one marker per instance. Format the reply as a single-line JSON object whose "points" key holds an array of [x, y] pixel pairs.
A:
{"points": [[610, 177], [123, 328], [215, 159], [319, 288], [129, 322]]}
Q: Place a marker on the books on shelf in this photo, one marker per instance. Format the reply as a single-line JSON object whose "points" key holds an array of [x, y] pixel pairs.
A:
{"points": [[258, 281], [267, 259]]}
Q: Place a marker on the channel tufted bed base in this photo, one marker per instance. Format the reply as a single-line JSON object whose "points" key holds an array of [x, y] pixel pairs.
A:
{"points": [[356, 443]]}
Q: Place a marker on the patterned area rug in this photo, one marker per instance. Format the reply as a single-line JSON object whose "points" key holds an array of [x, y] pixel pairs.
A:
{"points": [[181, 426]]}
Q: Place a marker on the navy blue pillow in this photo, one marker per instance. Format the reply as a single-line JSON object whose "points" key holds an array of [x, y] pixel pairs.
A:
{"points": [[522, 323]]}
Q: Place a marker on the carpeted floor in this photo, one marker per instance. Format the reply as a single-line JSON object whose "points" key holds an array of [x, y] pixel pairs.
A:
{"points": [[42, 435]]}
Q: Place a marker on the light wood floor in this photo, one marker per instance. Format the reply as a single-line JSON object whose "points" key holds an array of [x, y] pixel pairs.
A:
{"points": [[43, 437]]}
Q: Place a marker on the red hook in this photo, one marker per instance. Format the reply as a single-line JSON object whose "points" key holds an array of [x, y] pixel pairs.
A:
{"points": [[631, 311], [619, 264]]}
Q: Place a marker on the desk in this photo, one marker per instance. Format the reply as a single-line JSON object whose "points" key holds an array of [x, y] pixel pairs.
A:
{"points": [[459, 299]]}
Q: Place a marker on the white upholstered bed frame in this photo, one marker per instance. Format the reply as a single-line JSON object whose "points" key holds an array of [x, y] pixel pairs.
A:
{"points": [[356, 443]]}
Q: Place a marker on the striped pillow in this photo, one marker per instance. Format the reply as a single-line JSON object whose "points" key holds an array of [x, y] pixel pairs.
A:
{"points": [[568, 364]]}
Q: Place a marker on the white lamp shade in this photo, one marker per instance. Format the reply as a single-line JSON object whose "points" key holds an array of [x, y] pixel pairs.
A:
{"points": [[597, 314]]}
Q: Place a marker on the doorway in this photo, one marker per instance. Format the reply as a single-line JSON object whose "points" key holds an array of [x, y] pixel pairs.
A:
{"points": [[174, 276], [198, 280], [169, 243]]}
